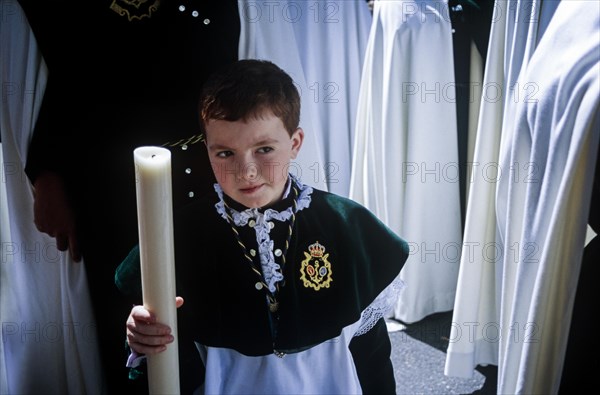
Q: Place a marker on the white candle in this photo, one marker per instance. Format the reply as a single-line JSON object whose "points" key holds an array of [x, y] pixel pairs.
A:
{"points": [[155, 227]]}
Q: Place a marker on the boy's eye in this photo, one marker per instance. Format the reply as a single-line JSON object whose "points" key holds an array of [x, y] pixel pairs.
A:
{"points": [[264, 150], [224, 154]]}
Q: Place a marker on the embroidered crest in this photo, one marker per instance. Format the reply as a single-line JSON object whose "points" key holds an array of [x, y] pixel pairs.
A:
{"points": [[135, 9], [315, 271]]}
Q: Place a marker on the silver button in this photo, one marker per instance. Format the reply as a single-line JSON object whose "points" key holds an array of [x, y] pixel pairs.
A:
{"points": [[191, 194], [182, 8], [253, 252], [271, 225], [206, 21], [184, 147], [188, 170], [258, 286], [252, 223], [278, 252], [195, 14]]}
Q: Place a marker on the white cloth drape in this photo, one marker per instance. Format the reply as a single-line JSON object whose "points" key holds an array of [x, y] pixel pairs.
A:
{"points": [[321, 45], [514, 304], [48, 335], [476, 87], [405, 158], [332, 38], [544, 212], [476, 307]]}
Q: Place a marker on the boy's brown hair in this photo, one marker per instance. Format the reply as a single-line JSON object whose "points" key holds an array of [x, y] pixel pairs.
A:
{"points": [[246, 89]]}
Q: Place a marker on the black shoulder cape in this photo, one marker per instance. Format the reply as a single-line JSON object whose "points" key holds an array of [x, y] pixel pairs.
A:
{"points": [[224, 308]]}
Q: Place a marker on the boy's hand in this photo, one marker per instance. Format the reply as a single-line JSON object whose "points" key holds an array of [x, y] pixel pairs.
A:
{"points": [[144, 334]]}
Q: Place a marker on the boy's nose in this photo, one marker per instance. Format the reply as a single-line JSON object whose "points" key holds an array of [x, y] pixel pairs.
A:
{"points": [[248, 171]]}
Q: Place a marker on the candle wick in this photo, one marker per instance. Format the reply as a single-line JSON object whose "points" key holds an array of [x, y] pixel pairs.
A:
{"points": [[153, 155]]}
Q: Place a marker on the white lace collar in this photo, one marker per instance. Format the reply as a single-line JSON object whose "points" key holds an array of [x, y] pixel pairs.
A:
{"points": [[262, 221]]}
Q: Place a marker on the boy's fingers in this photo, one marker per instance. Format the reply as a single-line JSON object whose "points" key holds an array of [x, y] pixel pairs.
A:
{"points": [[139, 313], [146, 328], [148, 344], [147, 350], [148, 340]]}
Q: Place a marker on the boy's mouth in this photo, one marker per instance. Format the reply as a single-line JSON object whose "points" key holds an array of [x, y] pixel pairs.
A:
{"points": [[251, 189]]}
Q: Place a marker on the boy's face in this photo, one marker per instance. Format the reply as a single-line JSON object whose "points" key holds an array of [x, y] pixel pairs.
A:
{"points": [[251, 158]]}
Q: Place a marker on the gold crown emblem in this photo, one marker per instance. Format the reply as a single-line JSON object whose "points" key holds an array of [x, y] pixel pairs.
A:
{"points": [[316, 250]]}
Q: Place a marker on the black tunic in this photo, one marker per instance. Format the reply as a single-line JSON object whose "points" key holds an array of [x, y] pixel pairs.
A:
{"points": [[224, 308]]}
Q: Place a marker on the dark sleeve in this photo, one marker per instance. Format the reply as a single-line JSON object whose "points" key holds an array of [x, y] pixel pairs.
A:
{"points": [[191, 369], [128, 275], [51, 145], [371, 352]]}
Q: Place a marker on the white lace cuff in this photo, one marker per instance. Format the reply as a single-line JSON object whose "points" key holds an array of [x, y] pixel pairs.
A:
{"points": [[382, 304], [134, 360]]}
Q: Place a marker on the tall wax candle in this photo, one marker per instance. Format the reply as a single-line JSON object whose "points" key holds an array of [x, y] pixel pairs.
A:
{"points": [[155, 227]]}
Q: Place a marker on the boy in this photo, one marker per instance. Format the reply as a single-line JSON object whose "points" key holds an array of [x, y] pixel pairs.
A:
{"points": [[285, 286]]}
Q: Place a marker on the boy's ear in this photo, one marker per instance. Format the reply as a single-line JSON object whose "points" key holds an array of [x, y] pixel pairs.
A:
{"points": [[297, 139]]}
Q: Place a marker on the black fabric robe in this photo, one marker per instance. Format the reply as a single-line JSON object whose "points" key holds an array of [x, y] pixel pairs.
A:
{"points": [[120, 76]]}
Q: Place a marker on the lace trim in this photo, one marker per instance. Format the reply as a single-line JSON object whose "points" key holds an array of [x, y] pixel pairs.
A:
{"points": [[270, 269], [380, 307]]}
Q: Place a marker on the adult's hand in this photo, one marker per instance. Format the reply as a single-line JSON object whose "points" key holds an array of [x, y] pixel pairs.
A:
{"points": [[53, 213]]}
